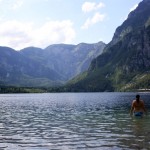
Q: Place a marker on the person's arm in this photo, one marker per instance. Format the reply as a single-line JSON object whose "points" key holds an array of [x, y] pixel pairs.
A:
{"points": [[132, 108], [144, 107]]}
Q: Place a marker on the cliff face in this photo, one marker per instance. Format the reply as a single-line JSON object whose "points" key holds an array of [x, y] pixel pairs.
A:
{"points": [[136, 19], [126, 59], [130, 45]]}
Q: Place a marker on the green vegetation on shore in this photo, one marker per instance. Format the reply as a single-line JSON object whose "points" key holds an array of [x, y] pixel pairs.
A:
{"points": [[12, 89]]}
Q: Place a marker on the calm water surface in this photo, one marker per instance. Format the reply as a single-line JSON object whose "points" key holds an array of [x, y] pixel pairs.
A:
{"points": [[66, 121]]}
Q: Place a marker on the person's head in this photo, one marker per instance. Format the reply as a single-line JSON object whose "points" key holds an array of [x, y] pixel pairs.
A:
{"points": [[137, 97]]}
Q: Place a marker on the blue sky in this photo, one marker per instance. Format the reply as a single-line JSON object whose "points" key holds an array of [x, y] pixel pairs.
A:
{"points": [[40, 23]]}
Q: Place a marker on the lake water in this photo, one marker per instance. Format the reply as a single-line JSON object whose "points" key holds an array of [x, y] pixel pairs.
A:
{"points": [[66, 121]]}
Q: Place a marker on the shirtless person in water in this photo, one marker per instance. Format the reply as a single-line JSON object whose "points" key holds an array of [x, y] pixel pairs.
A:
{"points": [[138, 107]]}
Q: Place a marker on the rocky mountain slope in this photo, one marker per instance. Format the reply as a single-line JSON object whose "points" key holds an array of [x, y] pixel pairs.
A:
{"points": [[125, 63], [45, 67]]}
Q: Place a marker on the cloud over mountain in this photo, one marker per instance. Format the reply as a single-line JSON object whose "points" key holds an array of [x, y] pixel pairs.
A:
{"points": [[18, 34]]}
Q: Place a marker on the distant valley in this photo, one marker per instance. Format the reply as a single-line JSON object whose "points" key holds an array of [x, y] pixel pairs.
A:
{"points": [[52, 66]]}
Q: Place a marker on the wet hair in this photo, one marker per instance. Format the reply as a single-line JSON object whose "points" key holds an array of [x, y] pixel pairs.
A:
{"points": [[137, 97]]}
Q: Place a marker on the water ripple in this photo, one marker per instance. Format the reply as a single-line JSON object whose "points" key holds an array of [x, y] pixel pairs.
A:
{"points": [[77, 121]]}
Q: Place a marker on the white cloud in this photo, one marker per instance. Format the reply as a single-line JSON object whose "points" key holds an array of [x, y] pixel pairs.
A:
{"points": [[17, 4], [95, 19], [89, 6], [134, 7], [18, 35], [11, 5]]}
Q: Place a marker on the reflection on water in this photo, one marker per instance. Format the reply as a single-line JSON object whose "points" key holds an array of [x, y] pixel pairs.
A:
{"points": [[98, 121]]}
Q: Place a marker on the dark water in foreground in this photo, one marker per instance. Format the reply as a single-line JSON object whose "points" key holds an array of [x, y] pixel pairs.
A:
{"points": [[66, 121]]}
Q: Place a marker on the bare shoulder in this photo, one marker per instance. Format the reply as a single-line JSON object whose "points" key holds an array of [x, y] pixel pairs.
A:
{"points": [[142, 101], [134, 101]]}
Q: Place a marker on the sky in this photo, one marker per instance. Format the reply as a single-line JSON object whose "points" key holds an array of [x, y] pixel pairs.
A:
{"points": [[40, 23]]}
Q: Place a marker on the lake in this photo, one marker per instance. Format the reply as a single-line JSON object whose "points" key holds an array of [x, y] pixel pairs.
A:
{"points": [[66, 121]]}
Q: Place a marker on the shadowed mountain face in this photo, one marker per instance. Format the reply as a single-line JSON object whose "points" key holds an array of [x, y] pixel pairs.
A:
{"points": [[125, 62], [46, 67]]}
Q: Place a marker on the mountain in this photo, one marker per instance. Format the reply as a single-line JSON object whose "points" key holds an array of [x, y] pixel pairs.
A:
{"points": [[16, 69], [66, 60], [125, 62], [72, 60], [45, 67]]}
